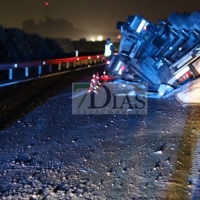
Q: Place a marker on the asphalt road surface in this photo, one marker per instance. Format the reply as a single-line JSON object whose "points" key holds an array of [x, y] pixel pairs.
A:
{"points": [[48, 153]]}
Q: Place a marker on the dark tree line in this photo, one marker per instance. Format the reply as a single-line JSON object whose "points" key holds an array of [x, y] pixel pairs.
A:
{"points": [[17, 45]]}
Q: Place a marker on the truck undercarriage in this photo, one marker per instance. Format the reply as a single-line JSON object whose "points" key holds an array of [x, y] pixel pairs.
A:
{"points": [[164, 54]]}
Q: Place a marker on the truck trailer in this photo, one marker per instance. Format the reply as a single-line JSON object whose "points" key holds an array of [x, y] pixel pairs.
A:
{"points": [[166, 53]]}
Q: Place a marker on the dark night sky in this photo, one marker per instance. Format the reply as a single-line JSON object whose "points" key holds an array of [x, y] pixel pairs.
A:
{"points": [[91, 15]]}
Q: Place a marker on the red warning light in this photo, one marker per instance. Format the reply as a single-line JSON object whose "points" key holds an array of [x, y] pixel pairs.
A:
{"points": [[122, 68], [47, 3], [187, 75]]}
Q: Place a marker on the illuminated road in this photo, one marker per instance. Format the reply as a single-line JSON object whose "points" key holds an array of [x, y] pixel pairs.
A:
{"points": [[46, 152], [19, 99]]}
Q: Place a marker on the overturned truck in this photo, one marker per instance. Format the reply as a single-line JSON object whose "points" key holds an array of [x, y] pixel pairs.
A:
{"points": [[167, 53]]}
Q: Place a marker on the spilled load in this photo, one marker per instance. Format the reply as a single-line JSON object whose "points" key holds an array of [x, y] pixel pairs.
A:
{"points": [[164, 55]]}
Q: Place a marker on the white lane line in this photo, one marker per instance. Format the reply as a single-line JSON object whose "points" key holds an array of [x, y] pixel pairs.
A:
{"points": [[79, 94]]}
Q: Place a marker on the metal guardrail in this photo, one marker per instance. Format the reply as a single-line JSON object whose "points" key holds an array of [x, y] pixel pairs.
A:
{"points": [[76, 61]]}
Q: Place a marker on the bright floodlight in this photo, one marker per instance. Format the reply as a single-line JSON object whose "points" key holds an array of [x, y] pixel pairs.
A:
{"points": [[100, 38]]}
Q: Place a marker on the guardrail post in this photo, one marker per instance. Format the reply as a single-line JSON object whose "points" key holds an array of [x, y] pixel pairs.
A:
{"points": [[26, 71], [78, 62], [89, 60], [98, 59], [67, 65], [50, 68], [59, 66], [39, 70], [10, 74]]}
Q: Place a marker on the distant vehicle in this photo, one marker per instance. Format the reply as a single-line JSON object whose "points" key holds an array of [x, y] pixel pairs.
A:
{"points": [[164, 53]]}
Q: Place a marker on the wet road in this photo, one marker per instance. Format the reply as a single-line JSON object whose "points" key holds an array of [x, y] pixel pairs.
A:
{"points": [[48, 153]]}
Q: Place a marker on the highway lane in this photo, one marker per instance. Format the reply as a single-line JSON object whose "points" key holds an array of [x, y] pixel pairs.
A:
{"points": [[46, 152], [19, 99]]}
